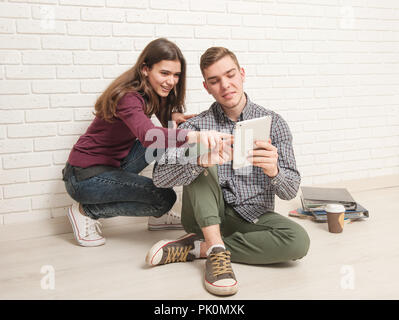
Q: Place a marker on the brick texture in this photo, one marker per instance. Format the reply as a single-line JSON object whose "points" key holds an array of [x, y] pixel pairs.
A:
{"points": [[330, 68]]}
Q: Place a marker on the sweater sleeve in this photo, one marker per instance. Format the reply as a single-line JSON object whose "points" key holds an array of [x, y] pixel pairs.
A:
{"points": [[130, 110]]}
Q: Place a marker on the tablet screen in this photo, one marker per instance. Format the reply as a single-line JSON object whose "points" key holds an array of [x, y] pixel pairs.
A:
{"points": [[245, 135]]}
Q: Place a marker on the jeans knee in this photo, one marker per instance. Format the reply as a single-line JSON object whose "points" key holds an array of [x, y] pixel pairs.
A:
{"points": [[169, 198]]}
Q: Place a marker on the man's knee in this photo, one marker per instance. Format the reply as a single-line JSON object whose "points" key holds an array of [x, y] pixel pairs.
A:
{"points": [[205, 185], [300, 243], [203, 195]]}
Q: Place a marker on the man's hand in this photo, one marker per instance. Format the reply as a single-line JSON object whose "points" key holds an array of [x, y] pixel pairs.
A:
{"points": [[265, 157], [220, 154]]}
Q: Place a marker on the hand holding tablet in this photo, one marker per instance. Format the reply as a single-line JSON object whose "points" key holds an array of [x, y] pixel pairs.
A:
{"points": [[265, 157], [252, 146], [245, 135]]}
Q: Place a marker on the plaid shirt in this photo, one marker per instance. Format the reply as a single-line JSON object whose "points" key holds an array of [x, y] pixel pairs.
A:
{"points": [[248, 190]]}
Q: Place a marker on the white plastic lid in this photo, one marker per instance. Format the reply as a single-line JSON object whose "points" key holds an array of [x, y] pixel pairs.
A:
{"points": [[335, 208]]}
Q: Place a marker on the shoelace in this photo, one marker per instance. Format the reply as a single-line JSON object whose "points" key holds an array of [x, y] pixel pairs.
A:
{"points": [[177, 254], [171, 217], [92, 227], [221, 263]]}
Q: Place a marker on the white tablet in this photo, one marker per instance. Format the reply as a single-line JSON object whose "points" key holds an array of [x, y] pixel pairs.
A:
{"points": [[245, 134]]}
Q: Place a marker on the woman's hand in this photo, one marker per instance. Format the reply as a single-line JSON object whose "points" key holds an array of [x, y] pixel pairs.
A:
{"points": [[210, 139], [222, 153], [178, 118]]}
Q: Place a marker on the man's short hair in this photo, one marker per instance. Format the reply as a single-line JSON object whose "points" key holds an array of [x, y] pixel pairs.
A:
{"points": [[214, 54]]}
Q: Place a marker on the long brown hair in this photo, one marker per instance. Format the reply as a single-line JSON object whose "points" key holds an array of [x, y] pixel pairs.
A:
{"points": [[133, 80]]}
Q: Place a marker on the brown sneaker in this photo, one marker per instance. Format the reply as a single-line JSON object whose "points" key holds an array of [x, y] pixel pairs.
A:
{"points": [[168, 251], [219, 276]]}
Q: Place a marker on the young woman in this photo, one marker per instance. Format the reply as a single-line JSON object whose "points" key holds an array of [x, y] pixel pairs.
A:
{"points": [[102, 172]]}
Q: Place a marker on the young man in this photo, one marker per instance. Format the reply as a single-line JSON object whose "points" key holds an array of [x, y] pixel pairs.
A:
{"points": [[229, 214]]}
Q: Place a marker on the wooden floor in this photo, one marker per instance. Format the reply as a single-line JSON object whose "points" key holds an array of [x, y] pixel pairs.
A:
{"points": [[360, 263]]}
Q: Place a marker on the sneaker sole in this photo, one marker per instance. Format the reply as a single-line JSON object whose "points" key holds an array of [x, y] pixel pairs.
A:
{"points": [[83, 243], [165, 227], [221, 290], [154, 255]]}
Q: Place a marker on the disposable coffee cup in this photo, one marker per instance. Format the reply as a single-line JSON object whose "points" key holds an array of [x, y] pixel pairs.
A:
{"points": [[335, 217]]}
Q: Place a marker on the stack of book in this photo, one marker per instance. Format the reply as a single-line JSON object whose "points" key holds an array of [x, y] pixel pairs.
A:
{"points": [[315, 199]]}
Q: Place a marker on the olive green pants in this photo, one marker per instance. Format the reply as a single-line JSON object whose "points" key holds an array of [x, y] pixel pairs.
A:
{"points": [[274, 238]]}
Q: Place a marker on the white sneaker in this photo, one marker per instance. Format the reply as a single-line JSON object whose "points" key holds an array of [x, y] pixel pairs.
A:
{"points": [[169, 221], [86, 230]]}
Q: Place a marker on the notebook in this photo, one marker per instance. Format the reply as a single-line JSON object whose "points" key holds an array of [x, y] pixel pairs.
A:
{"points": [[315, 198]]}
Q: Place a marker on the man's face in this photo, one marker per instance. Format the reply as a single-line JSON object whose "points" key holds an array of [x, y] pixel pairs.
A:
{"points": [[224, 81]]}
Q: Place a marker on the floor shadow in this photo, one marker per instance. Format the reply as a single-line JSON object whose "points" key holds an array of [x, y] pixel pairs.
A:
{"points": [[277, 265]]}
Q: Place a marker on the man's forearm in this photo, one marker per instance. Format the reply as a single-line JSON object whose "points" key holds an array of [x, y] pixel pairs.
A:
{"points": [[172, 175], [286, 183], [177, 167]]}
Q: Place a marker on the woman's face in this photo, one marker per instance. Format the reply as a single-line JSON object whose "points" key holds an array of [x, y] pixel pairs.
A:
{"points": [[163, 76]]}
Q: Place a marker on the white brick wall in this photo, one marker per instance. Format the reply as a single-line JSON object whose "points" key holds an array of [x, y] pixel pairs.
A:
{"points": [[331, 68]]}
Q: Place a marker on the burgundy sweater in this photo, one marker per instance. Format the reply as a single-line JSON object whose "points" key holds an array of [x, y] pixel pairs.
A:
{"points": [[106, 143]]}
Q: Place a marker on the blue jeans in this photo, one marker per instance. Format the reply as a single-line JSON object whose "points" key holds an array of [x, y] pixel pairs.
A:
{"points": [[122, 192]]}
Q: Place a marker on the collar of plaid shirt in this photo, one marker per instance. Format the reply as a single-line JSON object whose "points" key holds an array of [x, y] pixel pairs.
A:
{"points": [[246, 114]]}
